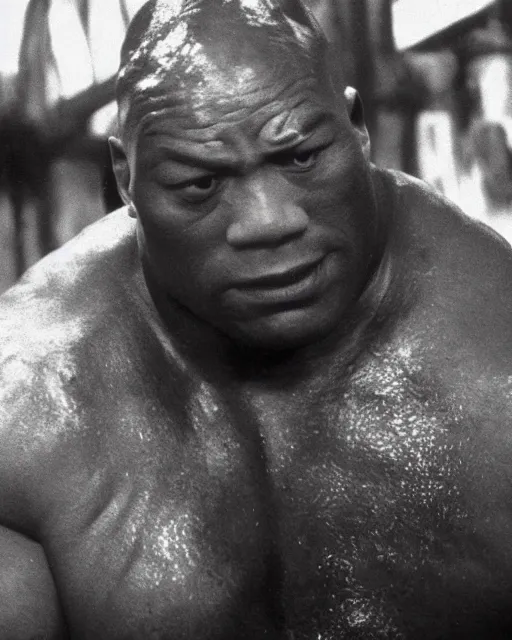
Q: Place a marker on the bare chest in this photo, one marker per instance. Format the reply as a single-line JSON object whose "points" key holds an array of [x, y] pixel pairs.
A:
{"points": [[376, 511], [349, 513]]}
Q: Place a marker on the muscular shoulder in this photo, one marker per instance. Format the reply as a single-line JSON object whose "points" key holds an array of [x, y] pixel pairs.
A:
{"points": [[459, 267], [65, 297], [437, 224], [83, 272], [52, 324], [457, 274]]}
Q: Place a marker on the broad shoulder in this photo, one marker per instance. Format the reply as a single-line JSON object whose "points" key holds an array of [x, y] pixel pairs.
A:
{"points": [[55, 327], [94, 261], [458, 270], [455, 275], [438, 222], [66, 297]]}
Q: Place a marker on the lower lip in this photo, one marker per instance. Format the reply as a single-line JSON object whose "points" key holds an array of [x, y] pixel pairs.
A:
{"points": [[299, 291]]}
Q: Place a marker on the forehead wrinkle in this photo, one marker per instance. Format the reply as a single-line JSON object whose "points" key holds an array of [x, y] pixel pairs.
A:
{"points": [[176, 112], [203, 104], [227, 148], [293, 125], [196, 154], [232, 149]]}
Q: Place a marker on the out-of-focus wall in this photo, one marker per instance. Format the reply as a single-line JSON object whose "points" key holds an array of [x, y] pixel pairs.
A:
{"points": [[53, 138]]}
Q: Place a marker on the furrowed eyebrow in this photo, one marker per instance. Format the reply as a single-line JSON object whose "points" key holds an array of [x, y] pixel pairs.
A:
{"points": [[229, 156], [317, 120], [297, 132], [197, 155], [309, 124]]}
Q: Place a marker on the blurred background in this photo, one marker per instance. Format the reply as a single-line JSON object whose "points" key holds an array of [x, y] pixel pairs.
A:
{"points": [[435, 77]]}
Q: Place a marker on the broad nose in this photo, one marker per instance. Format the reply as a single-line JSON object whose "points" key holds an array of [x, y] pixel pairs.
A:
{"points": [[265, 213]]}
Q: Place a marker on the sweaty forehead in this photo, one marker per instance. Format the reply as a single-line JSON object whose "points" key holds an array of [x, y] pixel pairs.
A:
{"points": [[267, 127], [212, 47], [231, 144]]}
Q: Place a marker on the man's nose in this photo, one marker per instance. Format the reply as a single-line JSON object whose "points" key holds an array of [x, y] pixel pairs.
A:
{"points": [[265, 214]]}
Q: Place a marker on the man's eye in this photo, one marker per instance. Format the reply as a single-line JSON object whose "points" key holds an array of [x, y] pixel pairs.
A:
{"points": [[299, 160], [304, 159], [200, 189]]}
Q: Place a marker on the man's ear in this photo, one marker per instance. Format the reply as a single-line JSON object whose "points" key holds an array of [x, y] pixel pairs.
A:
{"points": [[121, 170], [356, 114]]}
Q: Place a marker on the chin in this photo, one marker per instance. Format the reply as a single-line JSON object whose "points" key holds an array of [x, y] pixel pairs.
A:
{"points": [[284, 331]]}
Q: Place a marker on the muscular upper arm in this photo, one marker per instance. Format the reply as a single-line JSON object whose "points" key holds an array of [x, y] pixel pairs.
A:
{"points": [[29, 607]]}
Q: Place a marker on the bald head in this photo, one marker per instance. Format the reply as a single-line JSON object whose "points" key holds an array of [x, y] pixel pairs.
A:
{"points": [[209, 48]]}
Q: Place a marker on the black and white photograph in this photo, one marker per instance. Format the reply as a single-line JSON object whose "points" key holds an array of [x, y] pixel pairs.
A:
{"points": [[255, 320]]}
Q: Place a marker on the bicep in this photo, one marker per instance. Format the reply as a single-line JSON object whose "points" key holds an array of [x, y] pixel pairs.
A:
{"points": [[29, 606]]}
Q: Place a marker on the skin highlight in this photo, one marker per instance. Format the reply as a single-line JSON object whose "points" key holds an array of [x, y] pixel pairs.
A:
{"points": [[271, 396]]}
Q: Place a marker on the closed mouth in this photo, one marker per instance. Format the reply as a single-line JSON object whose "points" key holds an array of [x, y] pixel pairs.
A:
{"points": [[297, 285], [279, 280]]}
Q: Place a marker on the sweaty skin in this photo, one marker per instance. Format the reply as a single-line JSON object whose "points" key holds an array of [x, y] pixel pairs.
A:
{"points": [[271, 396]]}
